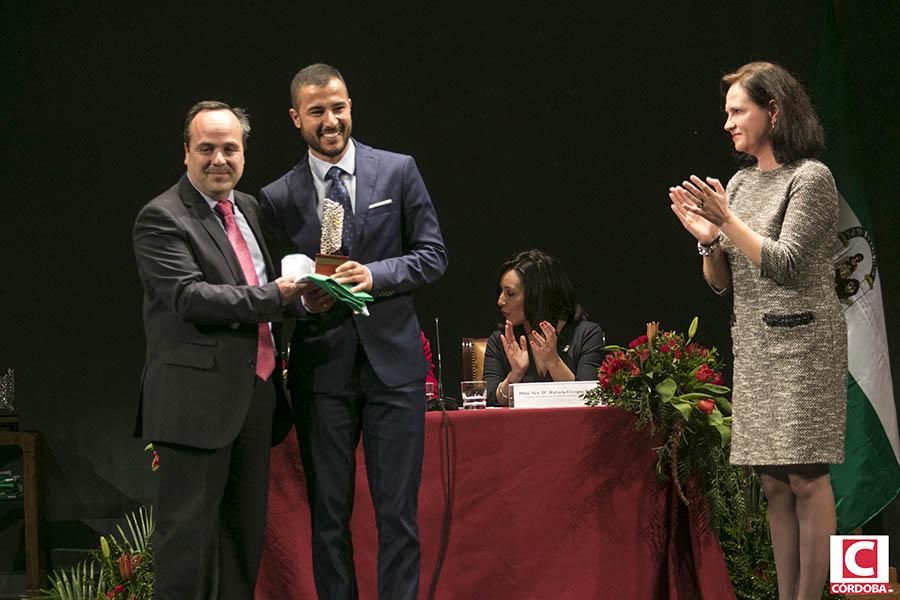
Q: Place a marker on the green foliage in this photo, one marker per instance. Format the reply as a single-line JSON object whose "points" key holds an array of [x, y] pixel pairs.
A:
{"points": [[77, 583], [121, 569], [746, 543]]}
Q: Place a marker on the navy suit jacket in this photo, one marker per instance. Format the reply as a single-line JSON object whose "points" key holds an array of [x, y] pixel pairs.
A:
{"points": [[396, 235], [200, 319]]}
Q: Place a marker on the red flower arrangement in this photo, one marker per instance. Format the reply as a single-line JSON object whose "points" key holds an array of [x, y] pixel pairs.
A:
{"points": [[126, 561], [674, 385], [665, 366]]}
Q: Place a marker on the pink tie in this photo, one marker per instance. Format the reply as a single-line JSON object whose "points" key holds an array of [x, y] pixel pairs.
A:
{"points": [[265, 353]]}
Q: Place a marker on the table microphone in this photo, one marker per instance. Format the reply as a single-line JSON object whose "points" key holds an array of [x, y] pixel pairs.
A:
{"points": [[448, 463], [440, 403]]}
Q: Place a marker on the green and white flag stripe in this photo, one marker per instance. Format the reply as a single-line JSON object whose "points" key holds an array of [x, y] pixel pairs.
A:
{"points": [[869, 478]]}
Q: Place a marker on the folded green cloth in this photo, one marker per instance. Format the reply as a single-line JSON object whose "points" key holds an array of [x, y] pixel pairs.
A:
{"points": [[341, 292]]}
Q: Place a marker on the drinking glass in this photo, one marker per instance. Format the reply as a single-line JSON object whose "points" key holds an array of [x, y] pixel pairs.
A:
{"points": [[474, 394]]}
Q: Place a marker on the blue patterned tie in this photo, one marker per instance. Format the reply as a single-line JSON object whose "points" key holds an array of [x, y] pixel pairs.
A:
{"points": [[340, 195]]}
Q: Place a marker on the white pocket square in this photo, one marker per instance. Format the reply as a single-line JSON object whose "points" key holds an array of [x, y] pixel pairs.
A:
{"points": [[382, 203]]}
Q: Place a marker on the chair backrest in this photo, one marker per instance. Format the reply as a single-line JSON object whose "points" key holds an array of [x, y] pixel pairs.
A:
{"points": [[472, 365]]}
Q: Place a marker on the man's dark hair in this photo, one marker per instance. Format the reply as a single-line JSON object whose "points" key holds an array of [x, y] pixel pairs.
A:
{"points": [[241, 114], [798, 133], [318, 75], [548, 292]]}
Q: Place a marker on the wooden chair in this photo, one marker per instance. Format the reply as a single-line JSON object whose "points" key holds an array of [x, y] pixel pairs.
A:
{"points": [[472, 365]]}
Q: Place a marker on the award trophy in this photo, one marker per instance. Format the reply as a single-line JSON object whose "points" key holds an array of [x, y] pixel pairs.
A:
{"points": [[328, 259]]}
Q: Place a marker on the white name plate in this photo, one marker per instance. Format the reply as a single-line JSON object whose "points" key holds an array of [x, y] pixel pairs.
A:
{"points": [[550, 394]]}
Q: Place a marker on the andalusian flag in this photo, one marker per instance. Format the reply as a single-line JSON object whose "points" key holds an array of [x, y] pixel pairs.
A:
{"points": [[869, 479]]}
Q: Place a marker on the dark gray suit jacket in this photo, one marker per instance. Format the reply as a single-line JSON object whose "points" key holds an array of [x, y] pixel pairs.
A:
{"points": [[200, 319]]}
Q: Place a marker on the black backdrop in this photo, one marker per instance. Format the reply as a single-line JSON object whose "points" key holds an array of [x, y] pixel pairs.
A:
{"points": [[552, 127]]}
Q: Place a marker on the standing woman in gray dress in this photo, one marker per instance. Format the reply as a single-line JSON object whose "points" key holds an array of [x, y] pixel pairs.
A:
{"points": [[768, 238]]}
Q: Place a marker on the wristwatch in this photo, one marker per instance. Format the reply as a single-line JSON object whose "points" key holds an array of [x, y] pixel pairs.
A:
{"points": [[707, 249]]}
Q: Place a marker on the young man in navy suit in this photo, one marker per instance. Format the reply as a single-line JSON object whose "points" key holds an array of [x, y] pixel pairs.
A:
{"points": [[349, 374]]}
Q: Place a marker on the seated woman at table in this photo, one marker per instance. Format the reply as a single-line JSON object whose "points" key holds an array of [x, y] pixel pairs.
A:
{"points": [[545, 335]]}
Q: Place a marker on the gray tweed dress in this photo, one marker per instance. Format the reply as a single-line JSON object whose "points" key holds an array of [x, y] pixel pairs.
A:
{"points": [[789, 334]]}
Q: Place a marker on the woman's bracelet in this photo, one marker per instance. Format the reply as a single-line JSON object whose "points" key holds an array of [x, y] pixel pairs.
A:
{"points": [[707, 249], [500, 392]]}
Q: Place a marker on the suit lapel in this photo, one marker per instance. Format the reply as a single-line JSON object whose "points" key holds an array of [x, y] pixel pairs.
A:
{"points": [[366, 178], [211, 223], [305, 201]]}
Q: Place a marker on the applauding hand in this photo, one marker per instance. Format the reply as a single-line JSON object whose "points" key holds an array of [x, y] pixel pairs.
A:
{"points": [[516, 353], [700, 208], [543, 344]]}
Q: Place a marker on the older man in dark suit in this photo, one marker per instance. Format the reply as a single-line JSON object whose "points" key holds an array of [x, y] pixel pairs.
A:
{"points": [[352, 374], [211, 381]]}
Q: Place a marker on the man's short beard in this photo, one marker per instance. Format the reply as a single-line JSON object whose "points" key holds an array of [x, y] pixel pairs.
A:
{"points": [[315, 145]]}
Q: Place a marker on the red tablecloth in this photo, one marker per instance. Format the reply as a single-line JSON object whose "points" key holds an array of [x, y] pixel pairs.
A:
{"points": [[547, 504]]}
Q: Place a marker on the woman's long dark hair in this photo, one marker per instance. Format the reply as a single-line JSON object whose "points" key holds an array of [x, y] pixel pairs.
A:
{"points": [[548, 293], [798, 133]]}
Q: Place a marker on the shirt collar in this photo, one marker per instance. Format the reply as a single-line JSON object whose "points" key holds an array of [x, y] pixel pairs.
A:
{"points": [[212, 203], [320, 168]]}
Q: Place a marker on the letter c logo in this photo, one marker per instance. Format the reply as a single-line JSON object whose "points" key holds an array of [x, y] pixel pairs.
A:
{"points": [[850, 558]]}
